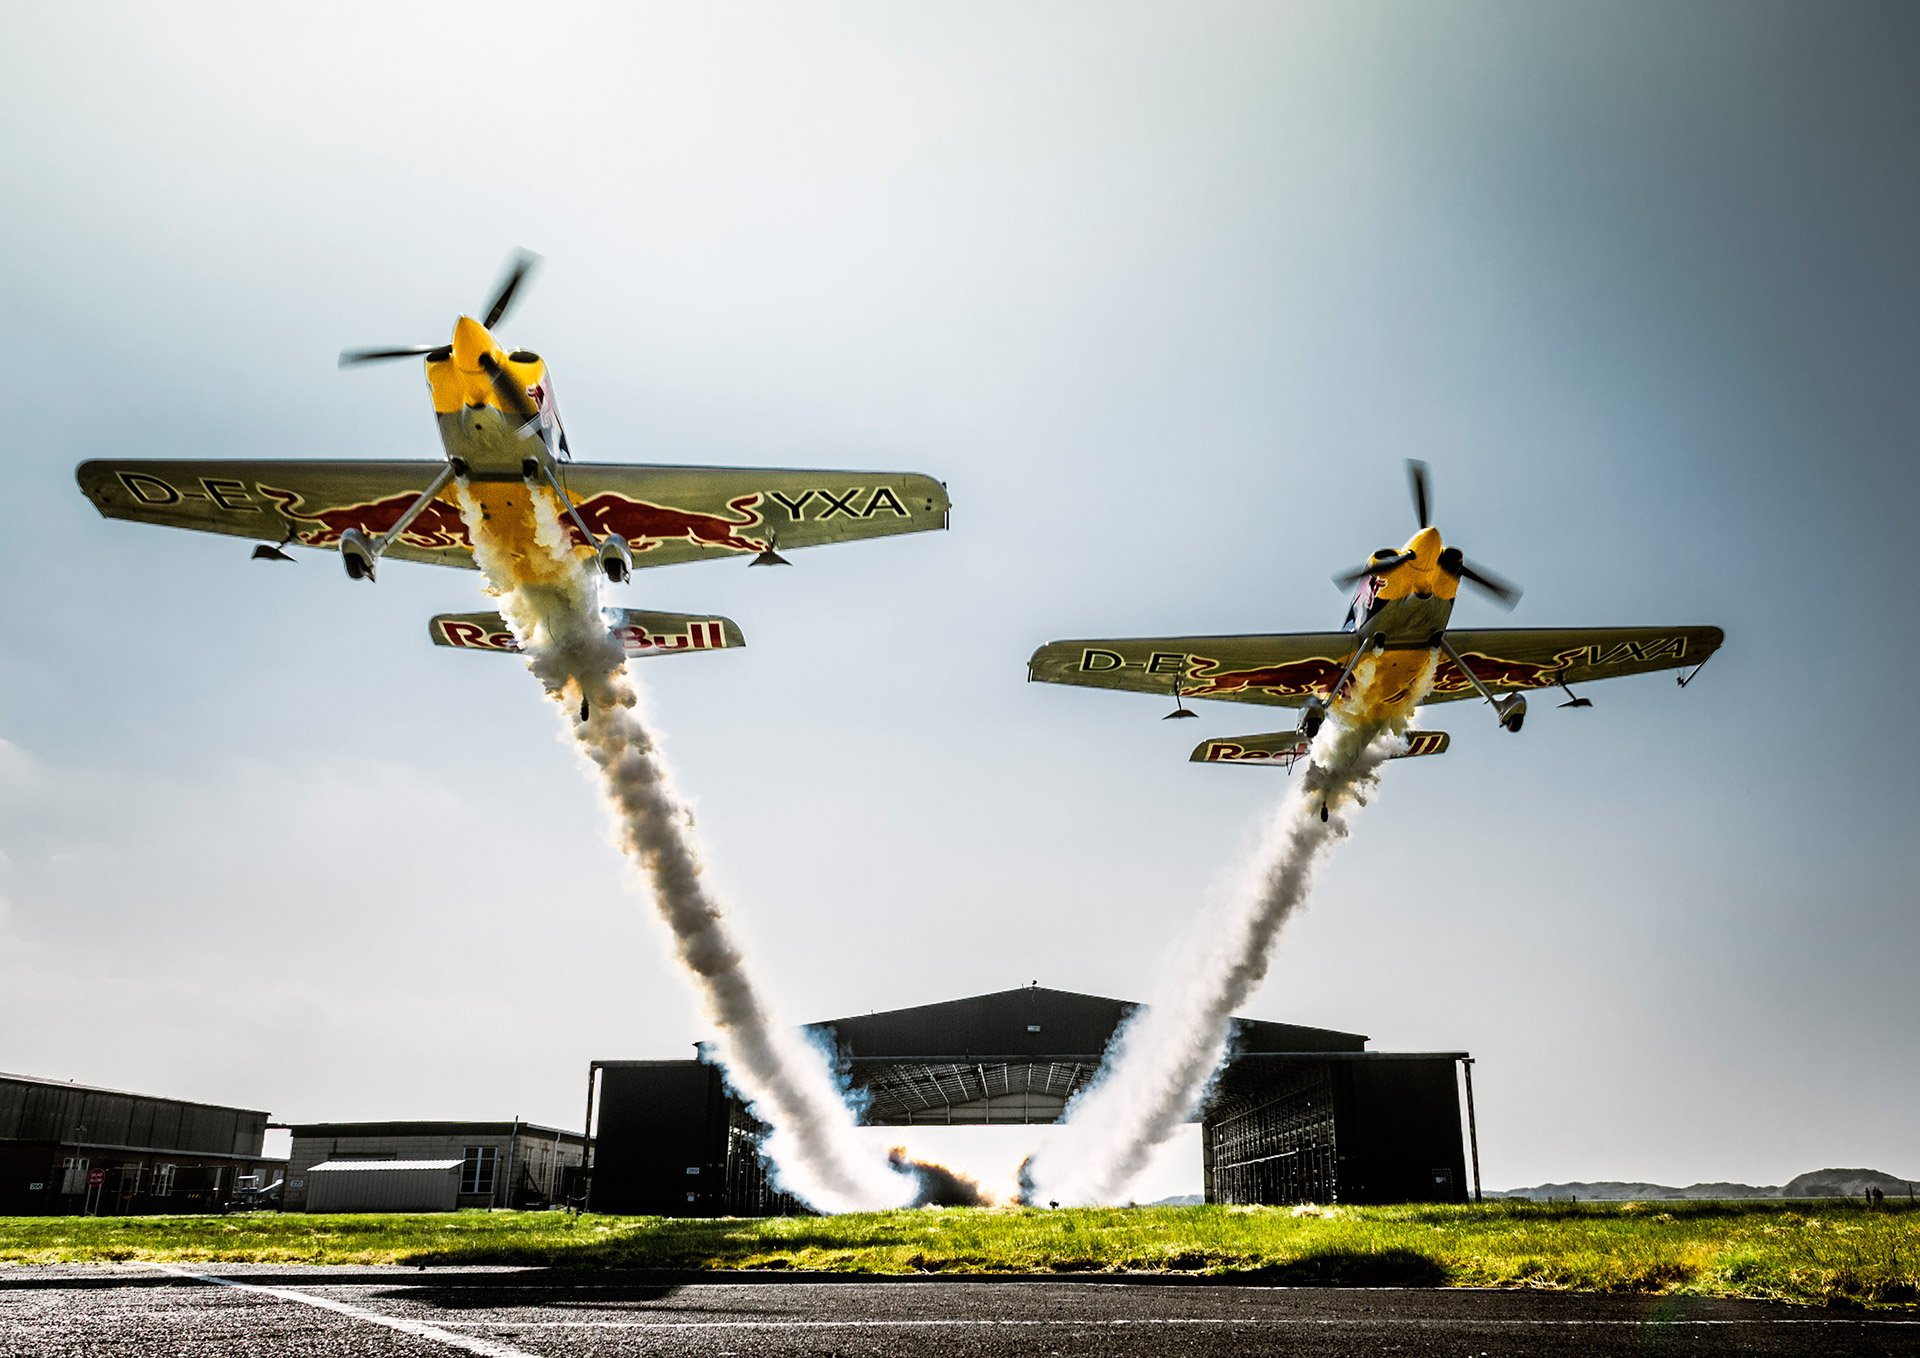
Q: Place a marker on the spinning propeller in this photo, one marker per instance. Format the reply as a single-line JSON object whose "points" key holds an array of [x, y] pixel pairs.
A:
{"points": [[1503, 591], [518, 268]]}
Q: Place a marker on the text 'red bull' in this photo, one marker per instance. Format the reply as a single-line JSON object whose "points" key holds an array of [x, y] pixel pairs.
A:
{"points": [[634, 639]]}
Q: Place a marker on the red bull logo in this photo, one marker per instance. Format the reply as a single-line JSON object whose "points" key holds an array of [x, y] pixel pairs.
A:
{"points": [[1232, 752], [482, 633], [701, 635], [1497, 673], [436, 526], [1292, 679], [645, 525], [476, 636]]}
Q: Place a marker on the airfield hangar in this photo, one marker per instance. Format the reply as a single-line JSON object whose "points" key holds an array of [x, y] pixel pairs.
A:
{"points": [[1297, 1115], [67, 1149]]}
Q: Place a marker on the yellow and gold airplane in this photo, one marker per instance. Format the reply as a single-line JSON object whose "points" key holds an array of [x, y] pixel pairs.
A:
{"points": [[505, 446], [1395, 652]]}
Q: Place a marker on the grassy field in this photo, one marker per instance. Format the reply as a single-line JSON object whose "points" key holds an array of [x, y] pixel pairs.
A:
{"points": [[1832, 1254]]}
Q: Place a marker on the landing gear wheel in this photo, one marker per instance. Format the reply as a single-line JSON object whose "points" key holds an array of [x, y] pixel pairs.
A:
{"points": [[1310, 724], [1513, 723], [460, 468], [1323, 813], [529, 470]]}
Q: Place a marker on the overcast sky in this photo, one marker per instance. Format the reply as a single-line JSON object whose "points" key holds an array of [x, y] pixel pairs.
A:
{"points": [[1166, 294]]}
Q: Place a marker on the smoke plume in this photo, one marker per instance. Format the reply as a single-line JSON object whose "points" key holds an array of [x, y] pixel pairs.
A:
{"points": [[1160, 1063], [936, 1185], [552, 603]]}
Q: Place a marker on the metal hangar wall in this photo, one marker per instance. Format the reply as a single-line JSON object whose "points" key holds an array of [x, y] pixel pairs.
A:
{"points": [[1299, 1114]]}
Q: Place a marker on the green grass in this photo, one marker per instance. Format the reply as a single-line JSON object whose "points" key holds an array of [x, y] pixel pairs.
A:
{"points": [[1832, 1254]]}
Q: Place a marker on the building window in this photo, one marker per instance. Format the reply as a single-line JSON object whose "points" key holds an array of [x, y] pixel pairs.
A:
{"points": [[130, 1176], [73, 1174], [163, 1181], [476, 1170]]}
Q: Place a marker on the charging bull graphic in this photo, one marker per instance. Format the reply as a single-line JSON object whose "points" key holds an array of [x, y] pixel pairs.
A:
{"points": [[644, 525], [436, 526], [1291, 679], [1495, 672]]}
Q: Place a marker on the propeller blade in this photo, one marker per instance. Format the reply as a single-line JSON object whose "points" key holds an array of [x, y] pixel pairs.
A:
{"points": [[1504, 592], [1348, 579], [517, 272], [351, 356], [511, 393], [1418, 477]]}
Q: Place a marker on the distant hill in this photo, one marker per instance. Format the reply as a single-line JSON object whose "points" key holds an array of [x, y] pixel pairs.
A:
{"points": [[1821, 1183]]}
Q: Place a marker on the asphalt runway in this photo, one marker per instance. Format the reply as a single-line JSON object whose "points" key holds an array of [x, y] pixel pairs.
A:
{"points": [[280, 1312]]}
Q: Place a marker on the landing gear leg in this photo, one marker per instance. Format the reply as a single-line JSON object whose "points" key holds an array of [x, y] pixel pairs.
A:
{"points": [[1512, 708], [532, 469], [1316, 711], [615, 559], [414, 510], [360, 556]]}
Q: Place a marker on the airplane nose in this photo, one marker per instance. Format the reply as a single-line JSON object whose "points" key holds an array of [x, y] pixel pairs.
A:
{"points": [[1425, 545], [470, 340]]}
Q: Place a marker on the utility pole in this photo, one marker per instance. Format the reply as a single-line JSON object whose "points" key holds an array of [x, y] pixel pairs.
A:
{"points": [[586, 1140], [1473, 1132]]}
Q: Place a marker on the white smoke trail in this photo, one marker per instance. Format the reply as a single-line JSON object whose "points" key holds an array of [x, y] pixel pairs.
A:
{"points": [[552, 603], [1159, 1065]]}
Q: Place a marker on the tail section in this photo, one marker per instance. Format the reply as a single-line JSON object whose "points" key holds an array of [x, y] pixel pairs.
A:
{"points": [[1281, 748], [641, 633]]}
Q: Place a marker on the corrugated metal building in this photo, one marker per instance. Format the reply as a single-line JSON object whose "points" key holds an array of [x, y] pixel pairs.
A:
{"points": [[67, 1149], [383, 1186], [503, 1164], [1299, 1114]]}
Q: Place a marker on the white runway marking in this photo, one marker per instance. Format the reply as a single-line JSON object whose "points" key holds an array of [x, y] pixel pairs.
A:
{"points": [[1425, 1322], [418, 1329]]}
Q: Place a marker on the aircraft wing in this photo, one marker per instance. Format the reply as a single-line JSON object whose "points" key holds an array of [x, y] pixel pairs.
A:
{"points": [[1281, 670], [667, 514], [1509, 658], [310, 503], [673, 514]]}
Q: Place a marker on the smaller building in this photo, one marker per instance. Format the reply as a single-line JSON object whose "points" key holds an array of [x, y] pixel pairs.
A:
{"points": [[384, 1186], [69, 1149], [501, 1164]]}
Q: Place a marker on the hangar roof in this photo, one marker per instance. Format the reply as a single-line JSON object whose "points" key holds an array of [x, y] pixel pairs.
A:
{"points": [[1034, 1021], [387, 1131], [7, 1077], [362, 1166]]}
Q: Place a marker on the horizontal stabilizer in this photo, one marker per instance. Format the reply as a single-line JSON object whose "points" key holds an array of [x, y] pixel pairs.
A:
{"points": [[641, 632], [1281, 748]]}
